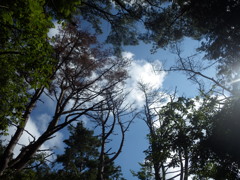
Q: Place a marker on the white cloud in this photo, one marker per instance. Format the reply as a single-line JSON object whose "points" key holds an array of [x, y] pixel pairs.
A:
{"points": [[25, 138], [144, 72], [127, 55], [53, 31], [42, 121], [131, 3], [35, 131], [56, 142]]}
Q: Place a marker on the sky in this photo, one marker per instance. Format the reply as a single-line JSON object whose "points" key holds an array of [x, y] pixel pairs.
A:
{"points": [[144, 68]]}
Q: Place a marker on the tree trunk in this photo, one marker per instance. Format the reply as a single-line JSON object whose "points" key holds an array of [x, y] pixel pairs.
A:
{"points": [[4, 162], [101, 157], [181, 165], [163, 172], [156, 172], [156, 163], [186, 165], [27, 153]]}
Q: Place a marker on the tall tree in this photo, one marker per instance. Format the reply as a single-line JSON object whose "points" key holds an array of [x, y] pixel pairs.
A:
{"points": [[156, 155], [113, 117], [221, 147], [175, 143], [26, 60], [81, 156]]}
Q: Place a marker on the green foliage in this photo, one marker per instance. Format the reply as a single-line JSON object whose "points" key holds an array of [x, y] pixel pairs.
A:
{"points": [[28, 174], [81, 156], [145, 172], [226, 130], [81, 152], [33, 170], [219, 150], [25, 55], [214, 23], [184, 125], [63, 9]]}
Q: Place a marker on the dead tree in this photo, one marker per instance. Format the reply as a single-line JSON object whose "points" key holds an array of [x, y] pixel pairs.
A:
{"points": [[113, 117], [149, 115]]}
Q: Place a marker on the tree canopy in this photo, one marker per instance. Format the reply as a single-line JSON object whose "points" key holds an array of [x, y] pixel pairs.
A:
{"points": [[213, 23], [84, 78]]}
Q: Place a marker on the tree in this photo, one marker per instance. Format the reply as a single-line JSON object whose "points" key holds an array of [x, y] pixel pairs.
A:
{"points": [[79, 161], [177, 133], [74, 72], [191, 121], [225, 131], [221, 146], [114, 116], [32, 170], [25, 54], [81, 75], [145, 172], [81, 157], [155, 155]]}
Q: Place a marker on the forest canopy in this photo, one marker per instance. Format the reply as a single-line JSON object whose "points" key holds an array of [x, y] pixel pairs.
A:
{"points": [[81, 70]]}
